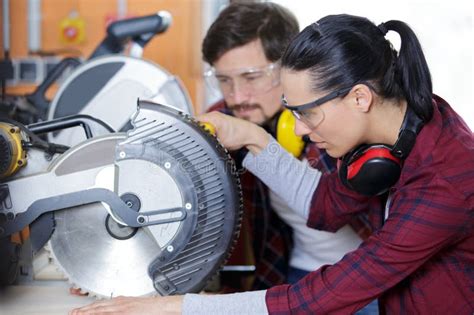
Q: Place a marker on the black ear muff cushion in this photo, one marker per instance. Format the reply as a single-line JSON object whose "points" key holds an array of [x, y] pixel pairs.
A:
{"points": [[375, 176], [370, 170], [366, 155]]}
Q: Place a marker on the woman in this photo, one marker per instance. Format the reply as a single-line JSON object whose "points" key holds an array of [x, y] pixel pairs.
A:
{"points": [[400, 146]]}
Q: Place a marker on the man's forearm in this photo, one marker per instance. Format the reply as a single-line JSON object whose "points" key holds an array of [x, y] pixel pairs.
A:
{"points": [[293, 180]]}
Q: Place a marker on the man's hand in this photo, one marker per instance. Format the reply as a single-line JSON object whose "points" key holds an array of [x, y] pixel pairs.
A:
{"points": [[236, 133], [134, 305]]}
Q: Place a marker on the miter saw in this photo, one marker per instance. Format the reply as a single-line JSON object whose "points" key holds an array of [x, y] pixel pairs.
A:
{"points": [[153, 209]]}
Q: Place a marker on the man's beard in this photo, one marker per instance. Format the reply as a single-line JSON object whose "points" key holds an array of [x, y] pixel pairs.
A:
{"points": [[238, 108]]}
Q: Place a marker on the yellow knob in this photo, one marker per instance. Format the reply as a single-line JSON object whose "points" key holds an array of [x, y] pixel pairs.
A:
{"points": [[209, 127]]}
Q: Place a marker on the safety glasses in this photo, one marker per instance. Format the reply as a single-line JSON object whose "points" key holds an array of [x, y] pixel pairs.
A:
{"points": [[310, 113], [250, 81]]}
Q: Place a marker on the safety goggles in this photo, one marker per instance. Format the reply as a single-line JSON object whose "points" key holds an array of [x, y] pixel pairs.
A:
{"points": [[249, 81], [310, 113]]}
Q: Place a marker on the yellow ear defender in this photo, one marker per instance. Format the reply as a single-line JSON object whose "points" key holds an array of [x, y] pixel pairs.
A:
{"points": [[285, 134]]}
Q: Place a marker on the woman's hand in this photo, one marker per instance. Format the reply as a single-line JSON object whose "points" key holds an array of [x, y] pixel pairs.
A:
{"points": [[134, 305], [236, 133]]}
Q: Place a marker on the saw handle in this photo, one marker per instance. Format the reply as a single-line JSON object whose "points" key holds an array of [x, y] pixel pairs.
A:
{"points": [[38, 97], [140, 30], [209, 127]]}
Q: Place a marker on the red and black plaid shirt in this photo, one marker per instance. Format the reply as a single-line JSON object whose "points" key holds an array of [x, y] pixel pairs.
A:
{"points": [[269, 236], [421, 261]]}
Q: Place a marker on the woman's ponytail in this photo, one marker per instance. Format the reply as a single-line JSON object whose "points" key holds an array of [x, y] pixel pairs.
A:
{"points": [[412, 71]]}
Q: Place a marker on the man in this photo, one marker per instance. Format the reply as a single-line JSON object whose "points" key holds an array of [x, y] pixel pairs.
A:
{"points": [[244, 51]]}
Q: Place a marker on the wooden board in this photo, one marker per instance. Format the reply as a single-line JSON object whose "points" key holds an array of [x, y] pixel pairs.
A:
{"points": [[40, 300]]}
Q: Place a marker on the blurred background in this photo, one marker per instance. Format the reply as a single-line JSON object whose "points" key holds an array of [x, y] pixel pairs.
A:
{"points": [[36, 34]]}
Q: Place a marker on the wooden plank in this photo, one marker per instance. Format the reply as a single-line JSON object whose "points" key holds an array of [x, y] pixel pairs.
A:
{"points": [[50, 299]]}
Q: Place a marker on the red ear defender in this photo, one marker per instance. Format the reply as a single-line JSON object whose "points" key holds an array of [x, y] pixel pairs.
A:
{"points": [[371, 169]]}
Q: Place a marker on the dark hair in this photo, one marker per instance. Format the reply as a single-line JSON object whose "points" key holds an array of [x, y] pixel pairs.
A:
{"points": [[241, 23], [343, 50]]}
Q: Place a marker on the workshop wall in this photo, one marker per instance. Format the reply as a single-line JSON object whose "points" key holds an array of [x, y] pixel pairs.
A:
{"points": [[177, 50]]}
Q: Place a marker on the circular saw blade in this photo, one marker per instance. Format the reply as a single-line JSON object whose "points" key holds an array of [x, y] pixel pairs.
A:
{"points": [[95, 252], [166, 162], [95, 261]]}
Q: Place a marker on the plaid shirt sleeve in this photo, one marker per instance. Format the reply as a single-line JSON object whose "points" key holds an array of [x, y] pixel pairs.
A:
{"points": [[425, 217], [359, 222], [338, 207]]}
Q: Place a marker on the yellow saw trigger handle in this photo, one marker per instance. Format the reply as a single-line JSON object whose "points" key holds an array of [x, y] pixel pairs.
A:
{"points": [[209, 127]]}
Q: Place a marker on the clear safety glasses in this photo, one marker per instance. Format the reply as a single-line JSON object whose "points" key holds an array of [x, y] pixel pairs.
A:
{"points": [[250, 81]]}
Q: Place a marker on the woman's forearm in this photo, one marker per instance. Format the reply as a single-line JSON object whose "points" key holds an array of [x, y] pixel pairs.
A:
{"points": [[237, 303]]}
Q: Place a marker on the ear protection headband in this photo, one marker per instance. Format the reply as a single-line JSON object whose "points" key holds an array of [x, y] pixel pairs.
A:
{"points": [[371, 169]]}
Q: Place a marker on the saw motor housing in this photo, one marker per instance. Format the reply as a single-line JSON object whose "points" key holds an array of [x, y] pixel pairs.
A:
{"points": [[13, 155]]}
